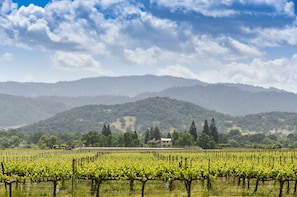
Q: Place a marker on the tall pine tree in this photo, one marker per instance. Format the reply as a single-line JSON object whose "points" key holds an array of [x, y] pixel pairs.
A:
{"points": [[135, 139], [213, 131], [205, 128], [193, 131], [157, 133], [106, 130], [152, 134]]}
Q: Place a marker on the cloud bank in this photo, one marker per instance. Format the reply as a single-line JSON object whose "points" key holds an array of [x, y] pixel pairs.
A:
{"points": [[214, 41]]}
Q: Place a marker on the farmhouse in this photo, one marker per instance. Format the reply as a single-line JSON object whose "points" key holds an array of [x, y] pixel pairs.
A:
{"points": [[166, 143]]}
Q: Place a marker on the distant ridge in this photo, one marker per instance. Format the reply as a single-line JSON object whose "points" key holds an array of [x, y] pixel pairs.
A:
{"points": [[116, 86], [26, 103], [232, 100]]}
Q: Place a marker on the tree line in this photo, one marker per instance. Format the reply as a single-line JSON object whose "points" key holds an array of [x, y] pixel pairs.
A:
{"points": [[207, 138]]}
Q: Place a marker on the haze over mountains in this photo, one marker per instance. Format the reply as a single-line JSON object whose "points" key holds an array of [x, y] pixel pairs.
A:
{"points": [[27, 103], [165, 113], [114, 86]]}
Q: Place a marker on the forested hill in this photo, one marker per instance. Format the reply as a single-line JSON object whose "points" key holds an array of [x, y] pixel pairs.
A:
{"points": [[231, 100], [166, 113], [273, 122], [16, 111]]}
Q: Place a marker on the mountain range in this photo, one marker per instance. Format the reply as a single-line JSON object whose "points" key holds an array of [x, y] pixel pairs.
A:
{"points": [[113, 86], [28, 103], [165, 113]]}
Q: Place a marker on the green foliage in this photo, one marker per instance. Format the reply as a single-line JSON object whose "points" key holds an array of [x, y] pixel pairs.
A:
{"points": [[164, 113], [265, 122], [11, 139], [131, 139], [106, 130], [183, 139], [193, 131], [206, 142], [205, 128], [157, 167], [209, 137], [91, 138], [213, 131], [17, 110], [152, 134]]}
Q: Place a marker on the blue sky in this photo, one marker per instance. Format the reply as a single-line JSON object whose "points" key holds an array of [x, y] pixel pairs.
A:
{"points": [[236, 41]]}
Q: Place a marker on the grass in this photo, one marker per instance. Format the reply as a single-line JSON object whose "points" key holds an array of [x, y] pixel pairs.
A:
{"points": [[220, 187]]}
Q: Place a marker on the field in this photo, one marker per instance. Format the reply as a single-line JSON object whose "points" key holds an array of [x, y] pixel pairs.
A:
{"points": [[152, 172]]}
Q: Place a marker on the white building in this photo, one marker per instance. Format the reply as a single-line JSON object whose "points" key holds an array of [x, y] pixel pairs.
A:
{"points": [[166, 143]]}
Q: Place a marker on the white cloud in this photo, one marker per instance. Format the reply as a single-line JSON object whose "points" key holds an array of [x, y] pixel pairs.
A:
{"points": [[79, 26], [6, 57], [223, 48], [243, 50], [279, 73], [202, 51], [74, 61], [207, 8], [289, 8], [177, 71], [143, 57], [7, 6], [82, 36], [108, 3], [271, 37], [223, 8]]}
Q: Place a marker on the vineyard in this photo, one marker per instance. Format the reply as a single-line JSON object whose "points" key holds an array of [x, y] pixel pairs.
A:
{"points": [[148, 173]]}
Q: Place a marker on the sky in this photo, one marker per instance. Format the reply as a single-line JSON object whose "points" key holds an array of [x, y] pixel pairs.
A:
{"points": [[229, 41]]}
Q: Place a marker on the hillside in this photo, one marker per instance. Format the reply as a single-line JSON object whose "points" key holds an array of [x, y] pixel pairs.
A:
{"points": [[166, 113], [16, 111], [231, 100], [273, 122]]}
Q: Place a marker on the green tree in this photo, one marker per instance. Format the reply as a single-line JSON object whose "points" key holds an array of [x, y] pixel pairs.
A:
{"points": [[233, 143], [223, 138], [193, 131], [168, 135], [106, 130], [157, 134], [135, 139], [184, 139], [91, 138], [234, 132], [213, 131], [4, 143], [147, 135], [256, 138], [206, 141], [128, 141], [131, 139], [174, 137], [205, 128], [52, 141], [152, 134]]}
